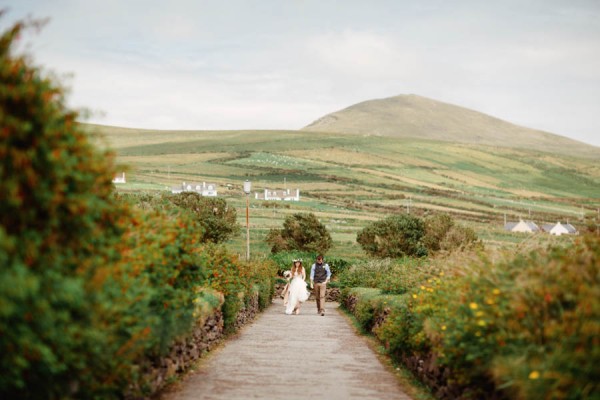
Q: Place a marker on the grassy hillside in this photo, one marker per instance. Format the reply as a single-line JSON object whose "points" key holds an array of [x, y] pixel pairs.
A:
{"points": [[411, 116], [349, 180]]}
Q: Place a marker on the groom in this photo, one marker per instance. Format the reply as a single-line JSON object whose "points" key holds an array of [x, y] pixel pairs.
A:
{"points": [[319, 276]]}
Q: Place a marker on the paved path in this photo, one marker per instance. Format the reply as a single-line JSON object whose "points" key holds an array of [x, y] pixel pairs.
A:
{"points": [[289, 357]]}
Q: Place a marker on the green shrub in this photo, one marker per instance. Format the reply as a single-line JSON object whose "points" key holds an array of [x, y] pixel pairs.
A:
{"points": [[218, 221], [436, 228], [159, 251], [526, 327], [405, 235], [397, 330], [393, 276], [337, 266], [360, 298], [442, 233], [459, 237], [394, 236], [551, 327], [528, 324], [402, 331], [263, 276], [366, 273], [215, 220], [365, 308], [58, 227], [237, 280], [90, 284], [301, 232]]}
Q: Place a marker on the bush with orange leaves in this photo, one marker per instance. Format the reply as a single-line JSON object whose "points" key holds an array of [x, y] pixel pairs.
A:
{"points": [[526, 327], [90, 285]]}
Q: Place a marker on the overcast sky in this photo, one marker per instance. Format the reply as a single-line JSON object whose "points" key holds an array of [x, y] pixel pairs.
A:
{"points": [[281, 64]]}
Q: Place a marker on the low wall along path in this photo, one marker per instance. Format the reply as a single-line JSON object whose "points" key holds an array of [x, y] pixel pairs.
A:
{"points": [[305, 356]]}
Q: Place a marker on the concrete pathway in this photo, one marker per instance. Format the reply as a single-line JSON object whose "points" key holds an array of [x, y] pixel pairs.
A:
{"points": [[289, 357]]}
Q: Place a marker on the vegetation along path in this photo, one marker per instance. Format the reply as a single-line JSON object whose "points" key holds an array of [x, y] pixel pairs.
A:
{"points": [[305, 356]]}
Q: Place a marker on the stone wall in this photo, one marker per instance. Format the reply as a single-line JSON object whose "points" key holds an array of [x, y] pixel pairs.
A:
{"points": [[424, 365], [184, 353], [248, 312]]}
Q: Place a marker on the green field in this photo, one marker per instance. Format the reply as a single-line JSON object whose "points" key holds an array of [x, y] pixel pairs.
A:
{"points": [[350, 180]]}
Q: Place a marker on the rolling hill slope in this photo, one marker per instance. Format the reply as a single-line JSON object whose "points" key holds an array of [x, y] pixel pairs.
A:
{"points": [[349, 180], [412, 116]]}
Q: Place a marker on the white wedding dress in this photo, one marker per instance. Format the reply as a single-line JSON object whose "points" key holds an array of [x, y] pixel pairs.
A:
{"points": [[297, 293]]}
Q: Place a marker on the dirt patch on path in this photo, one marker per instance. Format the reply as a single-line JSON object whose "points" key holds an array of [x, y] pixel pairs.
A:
{"points": [[280, 356]]}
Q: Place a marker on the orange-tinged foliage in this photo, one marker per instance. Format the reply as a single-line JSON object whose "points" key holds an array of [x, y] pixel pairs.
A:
{"points": [[527, 327], [89, 284]]}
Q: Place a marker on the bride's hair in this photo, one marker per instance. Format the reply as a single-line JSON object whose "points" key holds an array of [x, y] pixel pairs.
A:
{"points": [[297, 268]]}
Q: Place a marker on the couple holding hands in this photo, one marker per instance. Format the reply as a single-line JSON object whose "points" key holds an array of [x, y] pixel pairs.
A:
{"points": [[295, 293]]}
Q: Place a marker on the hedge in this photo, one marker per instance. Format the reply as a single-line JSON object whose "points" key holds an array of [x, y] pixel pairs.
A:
{"points": [[90, 286], [527, 327]]}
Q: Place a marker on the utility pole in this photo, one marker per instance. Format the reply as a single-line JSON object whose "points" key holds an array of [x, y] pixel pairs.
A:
{"points": [[247, 227], [247, 190]]}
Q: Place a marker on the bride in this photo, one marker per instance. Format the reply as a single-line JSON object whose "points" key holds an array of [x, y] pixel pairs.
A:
{"points": [[297, 293]]}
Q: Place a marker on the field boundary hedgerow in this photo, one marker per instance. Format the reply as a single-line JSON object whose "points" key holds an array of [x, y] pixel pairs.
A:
{"points": [[520, 327]]}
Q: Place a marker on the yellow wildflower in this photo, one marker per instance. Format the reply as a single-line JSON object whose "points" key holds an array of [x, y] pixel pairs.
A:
{"points": [[496, 291], [443, 327], [481, 322], [422, 287], [534, 375], [473, 306], [414, 296]]}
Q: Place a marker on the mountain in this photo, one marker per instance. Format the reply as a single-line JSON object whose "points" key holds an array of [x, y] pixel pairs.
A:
{"points": [[412, 116]]}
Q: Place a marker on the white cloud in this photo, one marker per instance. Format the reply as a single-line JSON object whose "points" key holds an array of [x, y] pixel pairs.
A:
{"points": [[273, 64], [360, 55]]}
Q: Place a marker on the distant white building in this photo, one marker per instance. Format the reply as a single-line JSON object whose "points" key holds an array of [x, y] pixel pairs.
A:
{"points": [[203, 189], [522, 226], [119, 178], [285, 195], [560, 229]]}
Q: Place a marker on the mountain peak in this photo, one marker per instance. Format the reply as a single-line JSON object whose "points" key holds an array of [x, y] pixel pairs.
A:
{"points": [[414, 116]]}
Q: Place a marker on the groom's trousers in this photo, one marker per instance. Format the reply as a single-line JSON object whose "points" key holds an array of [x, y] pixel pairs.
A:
{"points": [[320, 289]]}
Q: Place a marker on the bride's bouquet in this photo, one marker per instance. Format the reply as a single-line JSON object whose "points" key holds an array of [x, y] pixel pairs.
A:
{"points": [[287, 275]]}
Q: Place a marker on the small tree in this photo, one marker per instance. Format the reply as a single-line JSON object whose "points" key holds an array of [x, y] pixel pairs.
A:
{"points": [[302, 232], [442, 233], [436, 228], [218, 220], [395, 236], [459, 237]]}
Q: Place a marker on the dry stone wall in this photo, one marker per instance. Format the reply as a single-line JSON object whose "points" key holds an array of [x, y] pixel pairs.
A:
{"points": [[423, 365], [156, 373]]}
